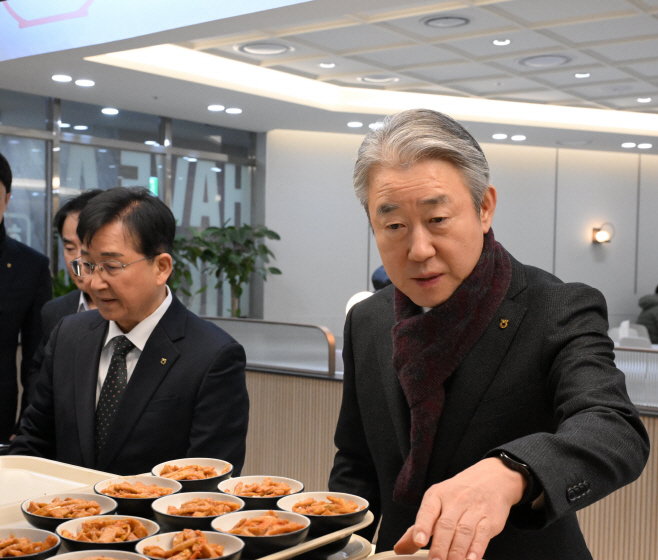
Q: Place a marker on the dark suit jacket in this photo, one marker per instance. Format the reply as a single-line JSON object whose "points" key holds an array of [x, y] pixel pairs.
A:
{"points": [[186, 397], [25, 285], [545, 389]]}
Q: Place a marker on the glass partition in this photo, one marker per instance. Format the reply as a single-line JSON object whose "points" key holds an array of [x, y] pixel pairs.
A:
{"points": [[641, 370], [283, 347]]}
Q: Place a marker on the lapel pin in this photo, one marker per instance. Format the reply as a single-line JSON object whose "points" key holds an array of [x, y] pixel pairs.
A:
{"points": [[504, 323], [8, 265], [163, 361]]}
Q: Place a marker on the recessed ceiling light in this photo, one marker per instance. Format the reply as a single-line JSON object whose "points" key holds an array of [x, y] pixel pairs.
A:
{"points": [[56, 149], [190, 159], [110, 111], [233, 111], [151, 143], [327, 65], [80, 127], [443, 22], [582, 75], [644, 99], [85, 83], [518, 138], [102, 151], [644, 146], [375, 125], [64, 125], [355, 124], [215, 108], [502, 42], [628, 145], [36, 150], [264, 49], [545, 60], [500, 136], [13, 141], [62, 78], [379, 79], [216, 169]]}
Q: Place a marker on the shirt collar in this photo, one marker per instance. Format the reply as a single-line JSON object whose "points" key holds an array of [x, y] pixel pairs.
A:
{"points": [[82, 304], [140, 334]]}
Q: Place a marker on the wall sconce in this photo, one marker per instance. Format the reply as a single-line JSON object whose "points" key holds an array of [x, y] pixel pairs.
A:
{"points": [[603, 234]]}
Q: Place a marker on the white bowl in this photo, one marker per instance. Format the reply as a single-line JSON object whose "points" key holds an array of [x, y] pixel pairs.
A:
{"points": [[233, 546], [259, 502], [204, 484], [74, 526], [35, 535], [181, 522], [136, 506], [108, 507], [113, 554]]}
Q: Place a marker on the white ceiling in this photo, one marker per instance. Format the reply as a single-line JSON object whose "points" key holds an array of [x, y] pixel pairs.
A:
{"points": [[615, 41]]}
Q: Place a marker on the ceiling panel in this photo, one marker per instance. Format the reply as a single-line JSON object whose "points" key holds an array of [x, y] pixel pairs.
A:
{"points": [[566, 78], [410, 56], [624, 28], [536, 11], [343, 66], [232, 51], [458, 72], [632, 50], [610, 90], [349, 38], [578, 60], [632, 104], [647, 69], [543, 96], [521, 41], [497, 86]]}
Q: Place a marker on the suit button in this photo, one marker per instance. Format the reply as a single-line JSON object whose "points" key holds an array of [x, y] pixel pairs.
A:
{"points": [[571, 495]]}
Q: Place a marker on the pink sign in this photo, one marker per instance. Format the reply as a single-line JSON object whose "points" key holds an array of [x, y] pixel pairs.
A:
{"points": [[81, 11]]}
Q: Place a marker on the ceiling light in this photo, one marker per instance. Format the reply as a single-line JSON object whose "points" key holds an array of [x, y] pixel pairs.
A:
{"points": [[110, 111], [80, 127], [355, 124], [215, 108], [56, 149], [644, 99], [85, 83], [544, 60], [500, 136], [102, 151], [501, 42], [518, 138], [582, 75], [13, 141], [233, 111], [628, 145], [151, 143], [64, 125], [62, 78], [443, 22], [264, 49], [216, 169], [644, 146], [379, 79], [327, 65], [375, 125], [190, 159]]}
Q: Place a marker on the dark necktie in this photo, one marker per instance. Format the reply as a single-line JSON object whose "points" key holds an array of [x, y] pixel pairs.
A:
{"points": [[115, 382]]}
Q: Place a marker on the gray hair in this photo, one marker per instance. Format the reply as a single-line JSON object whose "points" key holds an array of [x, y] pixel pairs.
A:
{"points": [[415, 135]]}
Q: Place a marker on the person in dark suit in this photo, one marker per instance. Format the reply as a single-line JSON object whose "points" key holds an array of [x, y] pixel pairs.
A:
{"points": [[25, 285], [141, 380], [481, 404], [76, 301]]}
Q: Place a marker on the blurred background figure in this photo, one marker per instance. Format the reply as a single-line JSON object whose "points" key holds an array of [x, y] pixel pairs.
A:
{"points": [[380, 279], [25, 286], [649, 315]]}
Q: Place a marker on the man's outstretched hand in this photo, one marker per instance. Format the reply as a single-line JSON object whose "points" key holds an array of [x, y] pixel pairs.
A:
{"points": [[464, 513]]}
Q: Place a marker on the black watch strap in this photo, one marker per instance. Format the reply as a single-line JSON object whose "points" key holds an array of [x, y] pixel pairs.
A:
{"points": [[532, 487]]}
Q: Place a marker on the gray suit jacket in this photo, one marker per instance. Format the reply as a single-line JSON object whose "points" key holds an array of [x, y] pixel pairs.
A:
{"points": [[543, 387]]}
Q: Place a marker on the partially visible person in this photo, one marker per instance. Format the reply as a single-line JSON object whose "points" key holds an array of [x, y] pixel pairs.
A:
{"points": [[25, 285], [649, 315], [141, 379], [380, 279], [77, 301]]}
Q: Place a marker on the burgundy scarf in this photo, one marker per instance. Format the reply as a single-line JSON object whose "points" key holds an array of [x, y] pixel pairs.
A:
{"points": [[428, 348]]}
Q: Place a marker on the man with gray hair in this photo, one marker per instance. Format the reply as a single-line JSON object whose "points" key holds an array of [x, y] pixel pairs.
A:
{"points": [[481, 405]]}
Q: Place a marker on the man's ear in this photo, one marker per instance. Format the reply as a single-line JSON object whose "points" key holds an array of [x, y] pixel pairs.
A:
{"points": [[488, 208], [165, 265]]}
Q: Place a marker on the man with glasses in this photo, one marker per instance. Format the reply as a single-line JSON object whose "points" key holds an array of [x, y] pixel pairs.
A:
{"points": [[142, 380]]}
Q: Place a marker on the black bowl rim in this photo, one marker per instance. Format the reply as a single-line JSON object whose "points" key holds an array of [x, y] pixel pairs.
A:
{"points": [[139, 476], [335, 516], [117, 517], [68, 495], [221, 494], [219, 476], [250, 512], [55, 546]]}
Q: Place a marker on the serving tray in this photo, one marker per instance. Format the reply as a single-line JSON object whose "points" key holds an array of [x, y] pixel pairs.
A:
{"points": [[24, 477]]}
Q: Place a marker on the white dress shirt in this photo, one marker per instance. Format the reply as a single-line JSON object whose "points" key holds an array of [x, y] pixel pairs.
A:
{"points": [[83, 305], [138, 336]]}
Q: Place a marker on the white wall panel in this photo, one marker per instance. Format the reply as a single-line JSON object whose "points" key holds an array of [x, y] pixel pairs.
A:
{"points": [[524, 177], [310, 202], [648, 227], [593, 188]]}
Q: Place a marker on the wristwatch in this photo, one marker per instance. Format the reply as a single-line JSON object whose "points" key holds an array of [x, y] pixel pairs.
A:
{"points": [[532, 487]]}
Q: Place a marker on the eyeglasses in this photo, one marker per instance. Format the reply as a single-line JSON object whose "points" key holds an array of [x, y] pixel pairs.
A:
{"points": [[111, 268]]}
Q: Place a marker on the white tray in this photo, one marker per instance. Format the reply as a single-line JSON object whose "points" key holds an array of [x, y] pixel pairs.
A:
{"points": [[24, 477]]}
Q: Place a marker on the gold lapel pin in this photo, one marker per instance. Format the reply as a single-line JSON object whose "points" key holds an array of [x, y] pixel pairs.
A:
{"points": [[163, 361], [8, 265], [504, 323]]}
